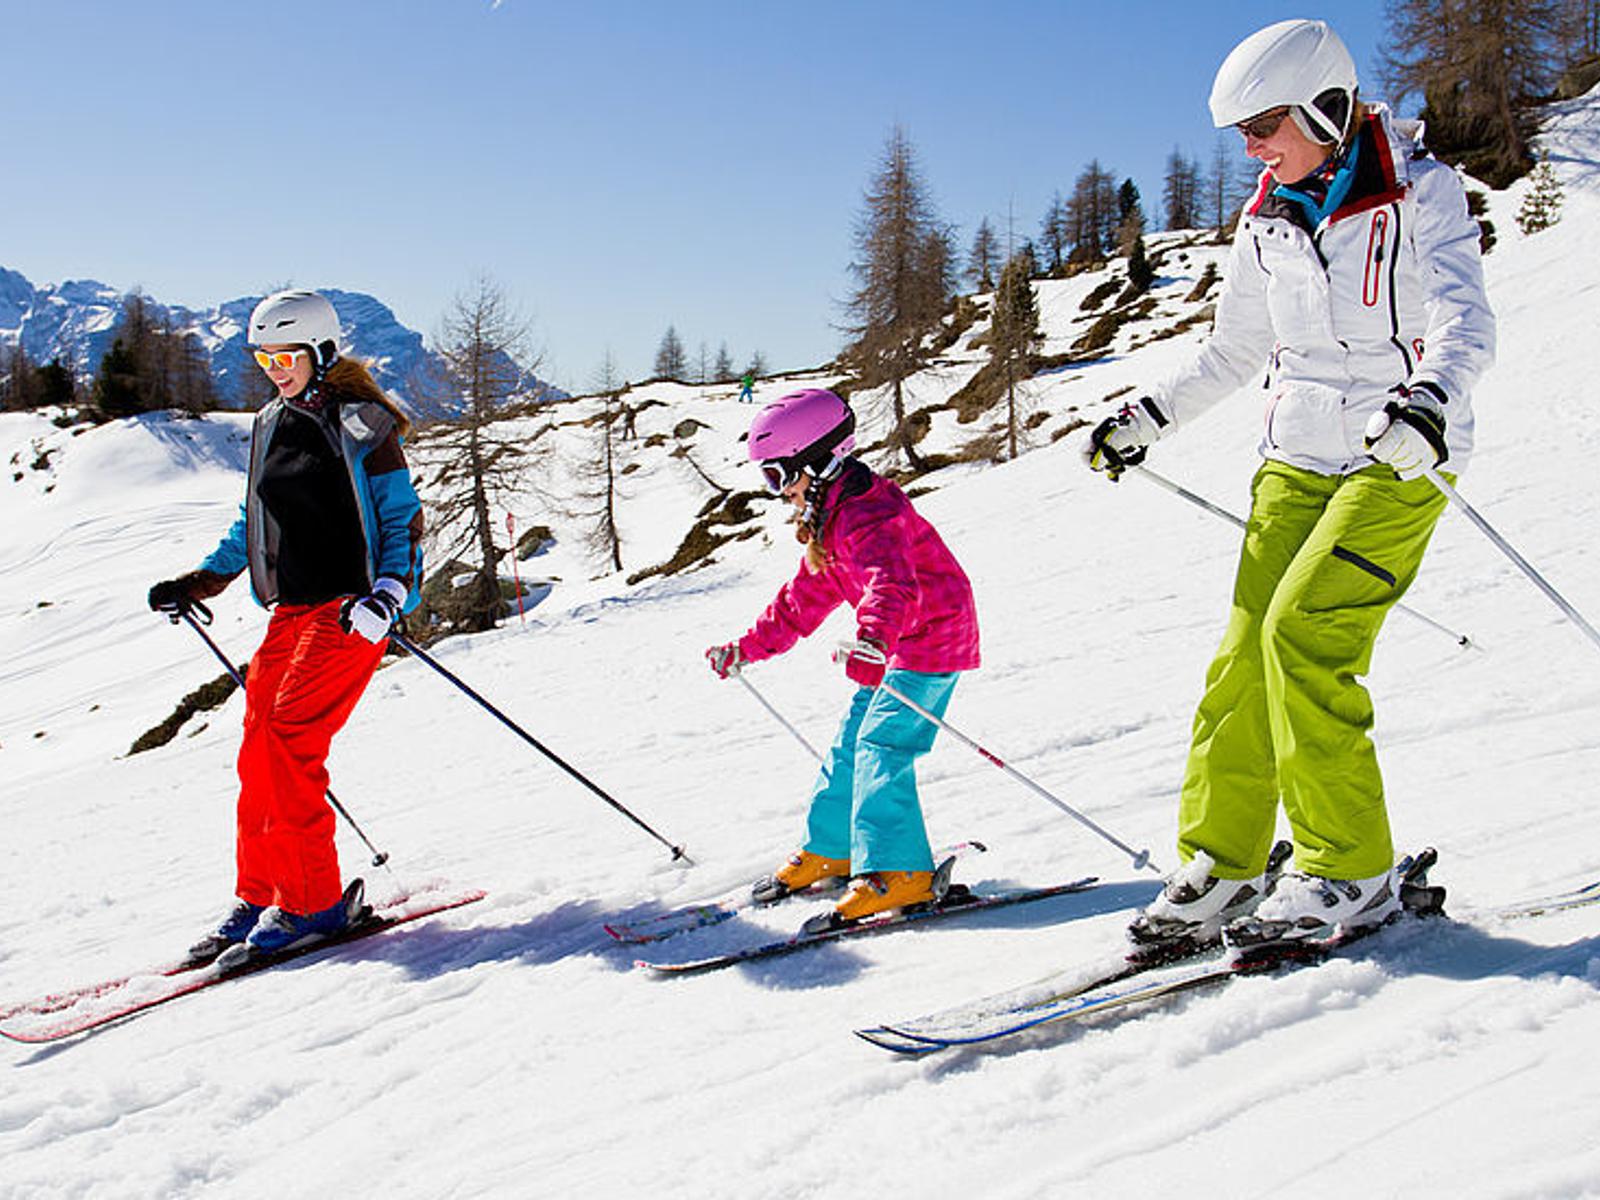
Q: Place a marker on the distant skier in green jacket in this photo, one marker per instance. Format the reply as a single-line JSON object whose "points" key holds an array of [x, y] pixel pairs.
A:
{"points": [[747, 386]]}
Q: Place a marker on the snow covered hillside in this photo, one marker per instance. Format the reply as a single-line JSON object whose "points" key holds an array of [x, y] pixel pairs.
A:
{"points": [[511, 1049]]}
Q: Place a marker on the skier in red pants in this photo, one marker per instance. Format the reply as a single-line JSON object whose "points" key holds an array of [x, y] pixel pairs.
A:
{"points": [[329, 532]]}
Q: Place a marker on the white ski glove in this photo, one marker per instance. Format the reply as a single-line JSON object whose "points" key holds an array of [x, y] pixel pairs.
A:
{"points": [[725, 660], [1120, 442], [1408, 433], [372, 615]]}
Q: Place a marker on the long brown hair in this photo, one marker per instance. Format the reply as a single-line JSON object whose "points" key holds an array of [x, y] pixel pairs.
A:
{"points": [[349, 379]]}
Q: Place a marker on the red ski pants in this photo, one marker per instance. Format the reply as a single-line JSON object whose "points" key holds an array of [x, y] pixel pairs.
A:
{"points": [[303, 683]]}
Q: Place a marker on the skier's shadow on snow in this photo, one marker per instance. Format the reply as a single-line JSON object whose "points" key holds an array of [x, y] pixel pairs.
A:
{"points": [[576, 928], [429, 950], [835, 963]]}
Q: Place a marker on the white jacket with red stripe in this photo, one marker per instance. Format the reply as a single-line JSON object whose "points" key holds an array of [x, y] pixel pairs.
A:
{"points": [[1388, 290]]}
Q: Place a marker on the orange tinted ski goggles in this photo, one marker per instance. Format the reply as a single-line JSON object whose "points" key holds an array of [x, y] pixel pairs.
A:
{"points": [[282, 359]]}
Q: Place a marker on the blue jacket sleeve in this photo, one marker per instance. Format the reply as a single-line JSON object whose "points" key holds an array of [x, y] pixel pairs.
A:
{"points": [[231, 556], [399, 521]]}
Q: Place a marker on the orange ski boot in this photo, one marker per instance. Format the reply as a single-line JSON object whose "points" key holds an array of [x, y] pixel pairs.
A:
{"points": [[803, 869], [879, 891]]}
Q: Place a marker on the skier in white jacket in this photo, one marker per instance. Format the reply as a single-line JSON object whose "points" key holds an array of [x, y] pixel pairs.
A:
{"points": [[1355, 280]]}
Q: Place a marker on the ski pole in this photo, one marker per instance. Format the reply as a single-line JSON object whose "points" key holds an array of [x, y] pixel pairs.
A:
{"points": [[779, 718], [379, 857], [412, 648], [1141, 858], [1216, 510], [1510, 552]]}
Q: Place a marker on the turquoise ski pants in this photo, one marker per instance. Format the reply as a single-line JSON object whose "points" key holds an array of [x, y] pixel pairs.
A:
{"points": [[1284, 715], [864, 806]]}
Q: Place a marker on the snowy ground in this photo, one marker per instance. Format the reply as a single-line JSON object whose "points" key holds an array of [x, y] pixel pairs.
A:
{"points": [[509, 1050]]}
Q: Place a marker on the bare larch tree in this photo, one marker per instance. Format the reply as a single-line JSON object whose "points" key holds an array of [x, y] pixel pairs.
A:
{"points": [[481, 462], [904, 274]]}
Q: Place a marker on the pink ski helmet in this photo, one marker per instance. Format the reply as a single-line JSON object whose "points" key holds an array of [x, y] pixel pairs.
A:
{"points": [[807, 430]]}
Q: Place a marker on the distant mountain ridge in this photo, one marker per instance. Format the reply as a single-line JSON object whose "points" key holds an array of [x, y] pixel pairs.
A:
{"points": [[76, 320]]}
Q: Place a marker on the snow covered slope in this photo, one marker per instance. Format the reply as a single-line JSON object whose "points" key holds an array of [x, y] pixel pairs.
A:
{"points": [[509, 1050]]}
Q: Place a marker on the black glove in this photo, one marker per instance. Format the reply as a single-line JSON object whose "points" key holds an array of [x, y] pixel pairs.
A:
{"points": [[171, 596]]}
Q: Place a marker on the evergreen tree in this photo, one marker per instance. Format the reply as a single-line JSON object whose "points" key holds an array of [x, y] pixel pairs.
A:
{"points": [[905, 276], [1541, 203], [1140, 273], [723, 369], [671, 361], [57, 384], [757, 366], [1130, 217], [116, 388], [1014, 332], [152, 365]]}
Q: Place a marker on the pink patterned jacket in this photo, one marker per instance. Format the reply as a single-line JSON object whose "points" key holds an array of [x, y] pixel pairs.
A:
{"points": [[891, 566]]}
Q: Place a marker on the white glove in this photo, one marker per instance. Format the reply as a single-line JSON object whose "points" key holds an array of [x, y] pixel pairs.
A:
{"points": [[1408, 433], [1120, 441], [864, 661], [373, 615], [725, 660]]}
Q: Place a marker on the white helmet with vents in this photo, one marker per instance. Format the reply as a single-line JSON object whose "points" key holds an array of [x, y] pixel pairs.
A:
{"points": [[1298, 64], [299, 318]]}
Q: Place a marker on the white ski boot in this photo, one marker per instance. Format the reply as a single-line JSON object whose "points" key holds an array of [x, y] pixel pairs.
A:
{"points": [[1312, 908], [1195, 905]]}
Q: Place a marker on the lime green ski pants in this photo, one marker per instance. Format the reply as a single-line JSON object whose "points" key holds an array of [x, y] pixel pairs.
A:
{"points": [[1284, 714]]}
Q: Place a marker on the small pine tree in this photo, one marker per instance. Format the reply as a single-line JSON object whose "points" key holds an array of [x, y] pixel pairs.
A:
{"points": [[1541, 204], [1140, 273], [57, 384], [1014, 334], [116, 387]]}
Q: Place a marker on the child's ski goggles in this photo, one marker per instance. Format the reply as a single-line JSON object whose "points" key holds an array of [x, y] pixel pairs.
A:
{"points": [[780, 473]]}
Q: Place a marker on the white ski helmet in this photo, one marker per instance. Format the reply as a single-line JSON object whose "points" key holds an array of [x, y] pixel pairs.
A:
{"points": [[1299, 64], [299, 318]]}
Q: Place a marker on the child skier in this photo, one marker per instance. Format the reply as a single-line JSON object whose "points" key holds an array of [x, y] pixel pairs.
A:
{"points": [[916, 627], [329, 532]]}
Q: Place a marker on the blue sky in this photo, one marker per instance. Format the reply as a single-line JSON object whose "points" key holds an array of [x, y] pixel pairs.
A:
{"points": [[616, 166]]}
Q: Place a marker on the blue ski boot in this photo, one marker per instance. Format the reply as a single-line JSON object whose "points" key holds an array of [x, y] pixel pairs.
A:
{"points": [[278, 931], [235, 927]]}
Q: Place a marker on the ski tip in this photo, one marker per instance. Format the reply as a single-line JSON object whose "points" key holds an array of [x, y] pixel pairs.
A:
{"points": [[888, 1039]]}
